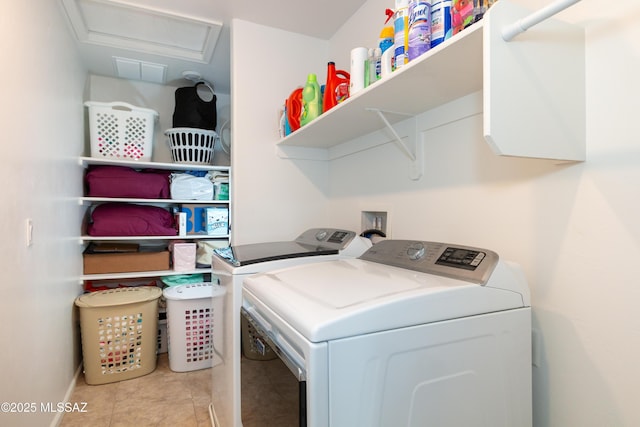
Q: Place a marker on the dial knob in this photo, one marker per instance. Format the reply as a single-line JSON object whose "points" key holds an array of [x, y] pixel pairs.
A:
{"points": [[416, 251], [320, 235]]}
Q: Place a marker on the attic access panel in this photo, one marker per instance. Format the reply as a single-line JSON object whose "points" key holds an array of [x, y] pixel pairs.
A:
{"points": [[142, 29]]}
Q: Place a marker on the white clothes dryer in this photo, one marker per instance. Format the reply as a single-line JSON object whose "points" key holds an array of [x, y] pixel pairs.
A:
{"points": [[409, 334], [232, 265]]}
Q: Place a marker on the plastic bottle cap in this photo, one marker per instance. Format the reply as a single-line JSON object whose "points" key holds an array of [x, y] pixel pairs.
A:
{"points": [[386, 33]]}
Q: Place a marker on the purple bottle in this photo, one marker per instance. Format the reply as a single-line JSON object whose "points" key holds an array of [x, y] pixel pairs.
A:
{"points": [[419, 28]]}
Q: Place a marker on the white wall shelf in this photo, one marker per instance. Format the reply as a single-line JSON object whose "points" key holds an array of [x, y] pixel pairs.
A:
{"points": [[88, 238], [140, 274], [92, 200], [97, 161], [533, 90], [447, 72]]}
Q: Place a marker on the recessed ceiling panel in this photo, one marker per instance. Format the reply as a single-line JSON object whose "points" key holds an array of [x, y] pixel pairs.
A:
{"points": [[121, 25]]}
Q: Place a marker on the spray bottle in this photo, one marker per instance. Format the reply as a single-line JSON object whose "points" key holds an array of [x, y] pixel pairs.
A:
{"points": [[385, 65]]}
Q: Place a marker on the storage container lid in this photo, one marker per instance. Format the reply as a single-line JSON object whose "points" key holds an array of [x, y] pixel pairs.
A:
{"points": [[193, 291], [119, 296]]}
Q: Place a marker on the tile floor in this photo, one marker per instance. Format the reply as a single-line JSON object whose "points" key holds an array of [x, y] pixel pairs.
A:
{"points": [[161, 398], [181, 399]]}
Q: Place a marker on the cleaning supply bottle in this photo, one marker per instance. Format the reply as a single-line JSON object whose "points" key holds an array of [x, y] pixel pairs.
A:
{"points": [[385, 44], [373, 60], [386, 35], [377, 57], [311, 100], [386, 63], [359, 70], [440, 21], [336, 88], [293, 107], [401, 33], [419, 28]]}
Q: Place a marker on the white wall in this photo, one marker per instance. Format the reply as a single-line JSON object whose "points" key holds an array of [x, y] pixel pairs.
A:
{"points": [[41, 116], [573, 227], [273, 198]]}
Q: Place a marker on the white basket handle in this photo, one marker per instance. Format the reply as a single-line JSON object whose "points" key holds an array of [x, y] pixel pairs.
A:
{"points": [[119, 105]]}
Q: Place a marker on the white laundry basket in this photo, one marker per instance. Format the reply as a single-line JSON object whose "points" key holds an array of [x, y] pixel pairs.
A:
{"points": [[191, 145], [194, 316], [121, 131]]}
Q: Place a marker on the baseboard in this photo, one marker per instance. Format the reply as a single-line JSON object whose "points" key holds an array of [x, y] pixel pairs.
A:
{"points": [[58, 418]]}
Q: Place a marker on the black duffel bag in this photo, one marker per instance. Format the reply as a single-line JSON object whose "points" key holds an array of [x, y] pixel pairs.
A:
{"points": [[192, 111]]}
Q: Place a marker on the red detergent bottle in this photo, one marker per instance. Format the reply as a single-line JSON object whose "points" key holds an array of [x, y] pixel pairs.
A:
{"points": [[294, 109], [336, 88]]}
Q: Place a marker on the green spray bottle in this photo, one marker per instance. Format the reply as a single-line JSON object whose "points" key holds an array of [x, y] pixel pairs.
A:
{"points": [[311, 100]]}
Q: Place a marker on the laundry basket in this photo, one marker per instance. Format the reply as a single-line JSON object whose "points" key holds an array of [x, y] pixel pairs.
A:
{"points": [[121, 131], [191, 145], [253, 347], [119, 333], [163, 342], [194, 316]]}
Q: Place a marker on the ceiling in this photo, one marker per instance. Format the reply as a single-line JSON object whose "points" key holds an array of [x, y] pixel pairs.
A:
{"points": [[151, 23]]}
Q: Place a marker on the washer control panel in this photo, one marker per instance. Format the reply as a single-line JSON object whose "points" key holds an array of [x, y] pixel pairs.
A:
{"points": [[443, 259], [326, 237]]}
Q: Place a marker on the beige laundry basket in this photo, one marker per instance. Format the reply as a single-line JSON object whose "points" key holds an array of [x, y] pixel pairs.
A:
{"points": [[119, 330]]}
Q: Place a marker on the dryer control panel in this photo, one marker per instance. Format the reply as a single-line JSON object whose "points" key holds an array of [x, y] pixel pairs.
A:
{"points": [[326, 237], [443, 259]]}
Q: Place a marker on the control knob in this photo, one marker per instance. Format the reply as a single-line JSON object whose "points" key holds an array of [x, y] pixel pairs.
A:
{"points": [[416, 251]]}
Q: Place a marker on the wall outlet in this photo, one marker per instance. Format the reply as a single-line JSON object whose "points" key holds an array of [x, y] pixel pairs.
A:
{"points": [[29, 232]]}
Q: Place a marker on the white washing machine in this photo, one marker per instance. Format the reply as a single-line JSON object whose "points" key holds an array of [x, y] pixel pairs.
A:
{"points": [[232, 265], [410, 334]]}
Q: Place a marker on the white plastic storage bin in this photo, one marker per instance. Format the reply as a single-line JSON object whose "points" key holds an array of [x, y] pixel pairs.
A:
{"points": [[121, 131], [119, 333], [194, 317]]}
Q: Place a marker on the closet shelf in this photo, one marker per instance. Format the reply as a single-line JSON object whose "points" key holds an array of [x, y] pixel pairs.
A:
{"points": [[90, 200], [87, 238], [86, 201], [95, 161], [139, 274]]}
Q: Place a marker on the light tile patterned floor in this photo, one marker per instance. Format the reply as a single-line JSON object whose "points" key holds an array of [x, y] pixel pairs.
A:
{"points": [[181, 399], [161, 398]]}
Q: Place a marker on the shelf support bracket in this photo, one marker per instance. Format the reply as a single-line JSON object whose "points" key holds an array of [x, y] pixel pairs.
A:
{"points": [[398, 140], [416, 156], [522, 25]]}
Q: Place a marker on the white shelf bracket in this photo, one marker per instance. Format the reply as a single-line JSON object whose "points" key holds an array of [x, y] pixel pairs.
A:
{"points": [[522, 25], [398, 140], [416, 156]]}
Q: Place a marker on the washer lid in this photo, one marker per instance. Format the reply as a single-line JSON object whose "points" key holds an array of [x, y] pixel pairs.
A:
{"points": [[347, 297], [242, 255], [312, 242]]}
